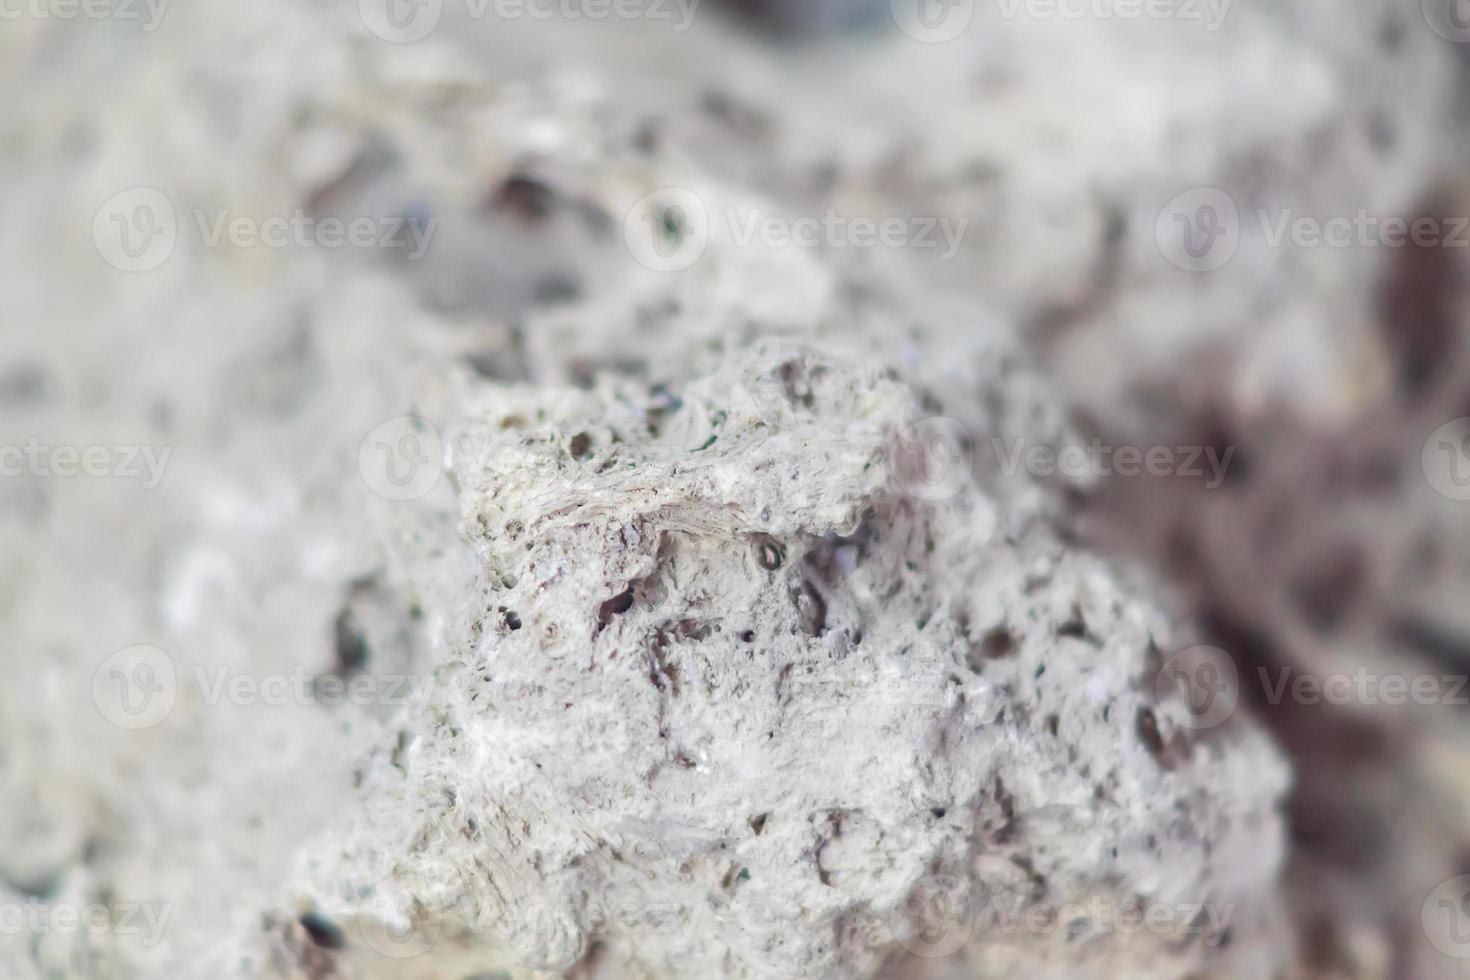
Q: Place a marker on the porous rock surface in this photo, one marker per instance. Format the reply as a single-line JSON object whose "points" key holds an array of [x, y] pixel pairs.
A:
{"points": [[943, 709], [728, 701]]}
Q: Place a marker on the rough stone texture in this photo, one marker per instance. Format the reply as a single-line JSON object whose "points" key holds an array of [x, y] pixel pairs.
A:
{"points": [[726, 681], [264, 370]]}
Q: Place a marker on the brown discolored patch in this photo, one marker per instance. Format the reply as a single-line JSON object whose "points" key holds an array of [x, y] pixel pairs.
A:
{"points": [[615, 606], [580, 446]]}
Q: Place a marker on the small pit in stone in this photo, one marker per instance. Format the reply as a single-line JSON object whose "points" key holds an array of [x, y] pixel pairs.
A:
{"points": [[1147, 727], [996, 644], [615, 606], [322, 931], [581, 445], [351, 645], [768, 553], [811, 609], [524, 197]]}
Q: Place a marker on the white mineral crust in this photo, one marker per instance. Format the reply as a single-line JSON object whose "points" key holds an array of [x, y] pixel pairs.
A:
{"points": [[706, 678], [727, 700]]}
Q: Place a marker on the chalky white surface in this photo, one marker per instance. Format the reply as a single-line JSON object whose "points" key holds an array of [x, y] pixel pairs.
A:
{"points": [[616, 832]]}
